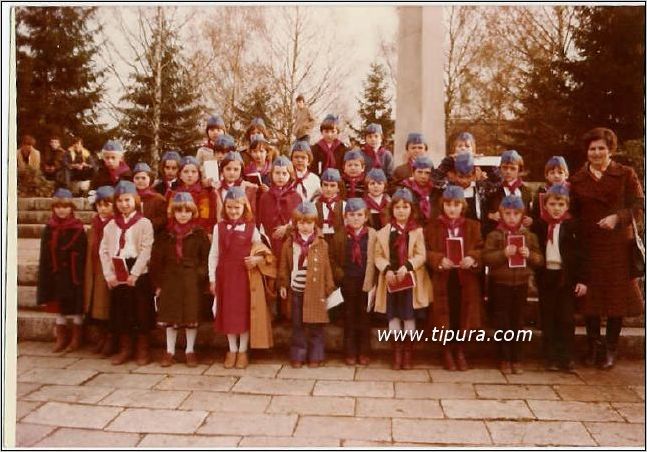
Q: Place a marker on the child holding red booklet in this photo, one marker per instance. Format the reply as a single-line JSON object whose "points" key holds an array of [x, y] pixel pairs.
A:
{"points": [[453, 253]]}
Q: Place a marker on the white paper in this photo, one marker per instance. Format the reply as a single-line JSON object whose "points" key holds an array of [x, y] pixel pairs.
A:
{"points": [[211, 170], [371, 300], [334, 299]]}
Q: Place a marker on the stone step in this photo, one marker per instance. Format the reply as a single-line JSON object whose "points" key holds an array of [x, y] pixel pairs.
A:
{"points": [[34, 231], [25, 204], [43, 216], [38, 326]]}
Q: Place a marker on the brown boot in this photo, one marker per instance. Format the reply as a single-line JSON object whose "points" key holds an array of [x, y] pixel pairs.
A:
{"points": [[448, 358], [407, 355], [61, 338], [101, 342], [125, 350], [143, 349], [230, 360], [109, 345], [397, 355], [461, 362], [242, 360], [75, 343]]}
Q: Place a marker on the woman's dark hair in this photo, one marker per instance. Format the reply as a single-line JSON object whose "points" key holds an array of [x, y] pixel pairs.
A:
{"points": [[600, 133]]}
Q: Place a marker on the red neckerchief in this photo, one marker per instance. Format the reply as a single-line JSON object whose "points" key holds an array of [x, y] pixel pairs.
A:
{"points": [[552, 222], [514, 230], [193, 189], [516, 184], [124, 226], [225, 186], [401, 241], [353, 181], [280, 194], [329, 151], [453, 224], [356, 254], [117, 172], [253, 168], [374, 155], [180, 231], [299, 181], [330, 204], [146, 192], [58, 225], [97, 226], [373, 205], [423, 195], [209, 144], [304, 245]]}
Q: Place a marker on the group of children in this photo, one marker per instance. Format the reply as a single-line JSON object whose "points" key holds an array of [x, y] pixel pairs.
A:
{"points": [[275, 236]]}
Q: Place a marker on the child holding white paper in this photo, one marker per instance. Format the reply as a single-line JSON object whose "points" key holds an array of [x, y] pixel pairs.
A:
{"points": [[453, 253]]}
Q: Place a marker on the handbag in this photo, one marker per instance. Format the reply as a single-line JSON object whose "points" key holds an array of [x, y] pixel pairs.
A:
{"points": [[637, 264]]}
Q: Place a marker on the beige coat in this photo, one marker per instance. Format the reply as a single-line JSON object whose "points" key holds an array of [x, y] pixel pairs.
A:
{"points": [[261, 318], [33, 161], [417, 254], [142, 237], [96, 294]]}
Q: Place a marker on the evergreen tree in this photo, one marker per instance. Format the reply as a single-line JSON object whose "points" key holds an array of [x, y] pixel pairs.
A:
{"points": [[257, 103], [164, 110], [58, 85], [375, 107]]}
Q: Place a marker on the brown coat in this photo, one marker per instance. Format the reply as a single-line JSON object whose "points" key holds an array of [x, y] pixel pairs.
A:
{"points": [[417, 255], [154, 208], [494, 257], [469, 279], [260, 333], [319, 279], [96, 294], [611, 291], [339, 257]]}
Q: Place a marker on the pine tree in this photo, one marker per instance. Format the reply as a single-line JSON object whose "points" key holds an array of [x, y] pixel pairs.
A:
{"points": [[164, 110], [257, 103], [375, 107], [58, 85]]}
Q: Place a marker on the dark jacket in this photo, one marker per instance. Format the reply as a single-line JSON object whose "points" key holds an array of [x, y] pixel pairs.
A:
{"points": [[494, 257], [571, 251], [319, 157], [102, 176]]}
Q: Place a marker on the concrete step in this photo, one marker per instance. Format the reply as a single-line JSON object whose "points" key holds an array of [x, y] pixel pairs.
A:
{"points": [[46, 204], [43, 216], [39, 326], [34, 231]]}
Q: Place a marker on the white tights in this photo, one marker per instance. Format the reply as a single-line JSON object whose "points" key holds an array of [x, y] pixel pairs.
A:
{"points": [[395, 324], [171, 338], [233, 345], [62, 319]]}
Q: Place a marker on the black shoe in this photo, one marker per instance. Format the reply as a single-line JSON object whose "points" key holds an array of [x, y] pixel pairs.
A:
{"points": [[594, 354]]}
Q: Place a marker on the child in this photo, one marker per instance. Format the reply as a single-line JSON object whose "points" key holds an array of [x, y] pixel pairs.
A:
{"points": [[509, 286], [61, 268], [113, 168], [276, 206], [231, 174], [237, 254], [256, 127], [415, 146], [129, 235], [561, 279], [354, 185], [204, 197], [376, 199], [465, 175], [223, 144], [179, 273], [511, 168], [329, 151], [305, 280], [375, 155], [425, 196], [330, 206], [96, 295], [168, 169], [306, 184], [303, 120], [464, 143], [260, 163], [215, 128], [78, 167], [354, 271], [400, 249], [456, 285], [556, 173], [152, 204]]}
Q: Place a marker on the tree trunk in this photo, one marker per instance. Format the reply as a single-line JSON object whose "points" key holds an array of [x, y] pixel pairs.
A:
{"points": [[157, 102]]}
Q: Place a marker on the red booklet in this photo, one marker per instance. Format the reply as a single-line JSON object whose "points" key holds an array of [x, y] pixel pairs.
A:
{"points": [[517, 261], [454, 250], [407, 282], [254, 178], [121, 269]]}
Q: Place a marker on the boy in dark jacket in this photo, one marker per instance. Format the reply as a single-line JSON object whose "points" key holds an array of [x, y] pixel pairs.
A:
{"points": [[112, 169]]}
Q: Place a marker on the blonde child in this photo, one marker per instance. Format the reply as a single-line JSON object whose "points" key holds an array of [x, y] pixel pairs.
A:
{"points": [[329, 205], [306, 184], [231, 175], [112, 168]]}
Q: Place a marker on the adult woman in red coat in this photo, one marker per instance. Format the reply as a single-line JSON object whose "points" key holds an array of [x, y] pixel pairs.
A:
{"points": [[605, 197]]}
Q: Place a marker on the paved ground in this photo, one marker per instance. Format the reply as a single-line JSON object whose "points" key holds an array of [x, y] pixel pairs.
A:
{"points": [[80, 401]]}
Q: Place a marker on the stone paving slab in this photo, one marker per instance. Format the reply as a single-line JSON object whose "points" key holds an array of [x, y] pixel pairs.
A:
{"points": [[486, 409], [70, 394], [434, 391], [574, 411], [225, 402], [510, 391], [632, 412], [271, 386], [248, 424], [253, 370], [72, 415], [590, 393], [387, 408], [22, 389], [545, 378], [319, 373], [308, 405], [29, 434], [102, 365], [143, 420], [195, 383], [74, 437], [617, 435], [23, 408], [27, 362], [344, 428], [287, 441], [373, 374], [145, 398], [125, 381], [354, 388], [640, 390], [468, 376], [628, 374], [56, 376], [440, 432], [529, 434], [188, 441], [175, 369]]}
